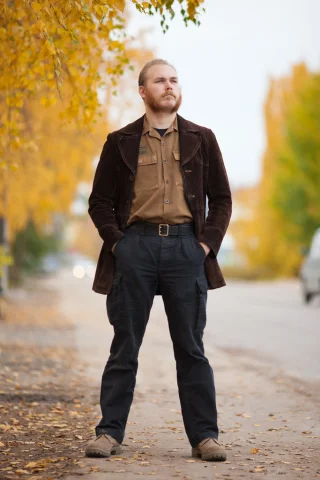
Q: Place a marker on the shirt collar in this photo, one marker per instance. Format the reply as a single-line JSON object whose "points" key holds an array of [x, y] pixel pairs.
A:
{"points": [[147, 128]]}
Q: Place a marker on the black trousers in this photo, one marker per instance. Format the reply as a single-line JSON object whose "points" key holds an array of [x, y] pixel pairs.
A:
{"points": [[177, 263]]}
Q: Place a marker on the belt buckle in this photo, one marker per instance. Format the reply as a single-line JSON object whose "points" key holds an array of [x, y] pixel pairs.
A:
{"points": [[164, 225]]}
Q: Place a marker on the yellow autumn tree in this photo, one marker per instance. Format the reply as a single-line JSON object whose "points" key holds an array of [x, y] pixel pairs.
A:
{"points": [[47, 45], [271, 234], [59, 155]]}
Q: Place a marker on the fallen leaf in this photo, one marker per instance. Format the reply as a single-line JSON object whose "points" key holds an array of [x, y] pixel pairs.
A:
{"points": [[5, 428]]}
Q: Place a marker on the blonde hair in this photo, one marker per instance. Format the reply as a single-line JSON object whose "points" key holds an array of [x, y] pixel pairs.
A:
{"points": [[143, 73]]}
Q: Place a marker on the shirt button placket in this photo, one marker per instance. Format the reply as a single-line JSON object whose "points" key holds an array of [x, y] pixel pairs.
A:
{"points": [[165, 161]]}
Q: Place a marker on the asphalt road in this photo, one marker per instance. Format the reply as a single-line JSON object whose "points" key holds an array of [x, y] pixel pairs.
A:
{"points": [[268, 321]]}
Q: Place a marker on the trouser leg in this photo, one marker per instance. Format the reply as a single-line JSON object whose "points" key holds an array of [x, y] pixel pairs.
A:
{"points": [[128, 306], [184, 290]]}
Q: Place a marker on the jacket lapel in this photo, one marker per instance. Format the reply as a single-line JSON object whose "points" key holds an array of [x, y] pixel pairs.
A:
{"points": [[129, 141], [189, 141]]}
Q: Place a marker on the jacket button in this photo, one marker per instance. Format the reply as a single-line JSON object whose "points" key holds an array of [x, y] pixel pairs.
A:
{"points": [[131, 177]]}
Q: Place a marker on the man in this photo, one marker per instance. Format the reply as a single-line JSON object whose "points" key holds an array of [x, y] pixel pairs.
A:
{"points": [[148, 204]]}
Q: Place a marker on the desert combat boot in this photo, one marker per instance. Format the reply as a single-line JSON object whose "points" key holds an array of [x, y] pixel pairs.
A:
{"points": [[103, 446], [210, 449]]}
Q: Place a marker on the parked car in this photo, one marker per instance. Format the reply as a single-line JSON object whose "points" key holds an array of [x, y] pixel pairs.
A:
{"points": [[310, 269]]}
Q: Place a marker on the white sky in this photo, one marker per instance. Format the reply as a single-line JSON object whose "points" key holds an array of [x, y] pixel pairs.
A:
{"points": [[224, 67]]}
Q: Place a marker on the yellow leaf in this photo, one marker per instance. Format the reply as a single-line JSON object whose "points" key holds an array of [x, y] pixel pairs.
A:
{"points": [[254, 450], [51, 48], [36, 6], [145, 4], [41, 25], [5, 427], [31, 465], [119, 4], [73, 71]]}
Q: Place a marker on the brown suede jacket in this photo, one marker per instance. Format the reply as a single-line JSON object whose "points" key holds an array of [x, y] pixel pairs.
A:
{"points": [[203, 173]]}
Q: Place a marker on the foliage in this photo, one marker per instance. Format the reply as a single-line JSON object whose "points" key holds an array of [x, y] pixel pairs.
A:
{"points": [[5, 259], [57, 156], [28, 249], [296, 196], [284, 210], [51, 45]]}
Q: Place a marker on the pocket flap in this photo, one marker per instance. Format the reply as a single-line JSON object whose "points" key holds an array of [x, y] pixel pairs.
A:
{"points": [[203, 284], [176, 156], [147, 159]]}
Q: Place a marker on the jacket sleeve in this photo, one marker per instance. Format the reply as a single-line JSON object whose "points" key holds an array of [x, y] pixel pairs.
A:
{"points": [[219, 198], [103, 196]]}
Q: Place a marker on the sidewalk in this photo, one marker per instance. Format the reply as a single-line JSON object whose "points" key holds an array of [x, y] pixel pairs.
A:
{"points": [[269, 424]]}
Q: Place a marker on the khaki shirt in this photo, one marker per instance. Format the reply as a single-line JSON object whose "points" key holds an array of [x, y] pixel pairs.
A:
{"points": [[158, 195]]}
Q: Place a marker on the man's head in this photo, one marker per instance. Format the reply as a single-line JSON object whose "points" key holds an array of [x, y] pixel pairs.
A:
{"points": [[159, 87]]}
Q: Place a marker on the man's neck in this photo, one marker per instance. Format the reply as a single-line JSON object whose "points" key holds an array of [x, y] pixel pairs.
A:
{"points": [[160, 120]]}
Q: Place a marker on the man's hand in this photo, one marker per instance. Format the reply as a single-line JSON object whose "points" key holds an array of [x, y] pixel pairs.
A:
{"points": [[205, 247]]}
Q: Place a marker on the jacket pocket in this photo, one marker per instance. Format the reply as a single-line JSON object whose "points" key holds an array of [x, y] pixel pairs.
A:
{"points": [[176, 156], [117, 244], [201, 247]]}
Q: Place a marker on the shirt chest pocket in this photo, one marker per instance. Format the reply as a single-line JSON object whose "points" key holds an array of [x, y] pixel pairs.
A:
{"points": [[147, 172], [177, 169]]}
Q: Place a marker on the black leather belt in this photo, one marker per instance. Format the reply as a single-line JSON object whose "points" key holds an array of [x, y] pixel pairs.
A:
{"points": [[162, 229]]}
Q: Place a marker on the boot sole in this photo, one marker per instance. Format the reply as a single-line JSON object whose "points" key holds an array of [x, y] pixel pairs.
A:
{"points": [[213, 457], [95, 452]]}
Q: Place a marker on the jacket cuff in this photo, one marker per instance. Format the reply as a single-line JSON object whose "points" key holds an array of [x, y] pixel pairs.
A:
{"points": [[110, 236], [213, 238]]}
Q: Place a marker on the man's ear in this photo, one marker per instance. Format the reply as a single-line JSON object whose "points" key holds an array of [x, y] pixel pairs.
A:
{"points": [[141, 91]]}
